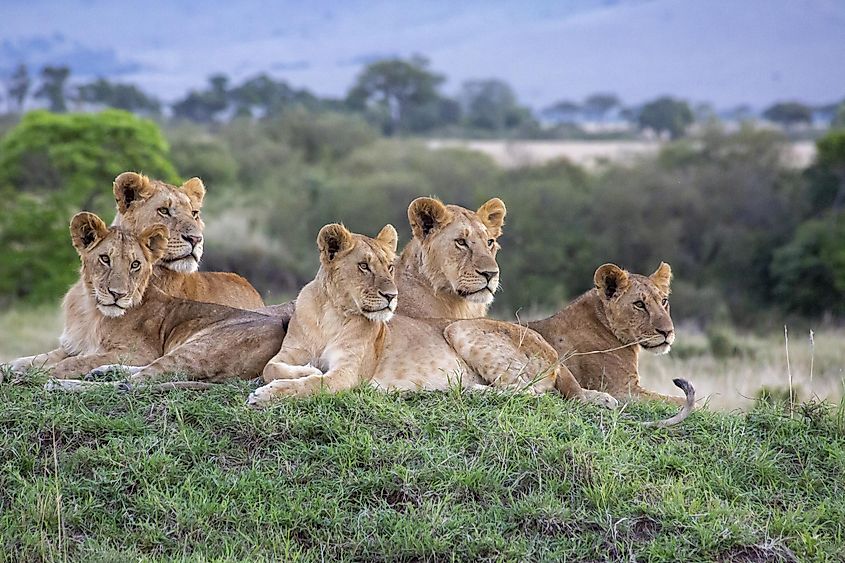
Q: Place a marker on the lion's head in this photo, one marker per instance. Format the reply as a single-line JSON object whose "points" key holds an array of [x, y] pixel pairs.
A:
{"points": [[116, 264], [459, 246], [142, 202], [358, 271], [637, 306]]}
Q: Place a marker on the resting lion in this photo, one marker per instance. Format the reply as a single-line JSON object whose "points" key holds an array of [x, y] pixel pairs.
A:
{"points": [[130, 321], [448, 270], [142, 202], [599, 335], [344, 332]]}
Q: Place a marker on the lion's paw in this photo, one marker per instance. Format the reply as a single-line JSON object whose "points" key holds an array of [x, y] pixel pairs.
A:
{"points": [[600, 398], [267, 394]]}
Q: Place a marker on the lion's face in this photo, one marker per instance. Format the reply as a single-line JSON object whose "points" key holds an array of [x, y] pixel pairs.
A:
{"points": [[142, 202], [116, 264], [637, 307], [358, 271], [459, 246]]}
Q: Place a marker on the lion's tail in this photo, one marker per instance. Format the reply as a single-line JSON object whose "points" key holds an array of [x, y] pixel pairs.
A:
{"points": [[685, 411]]}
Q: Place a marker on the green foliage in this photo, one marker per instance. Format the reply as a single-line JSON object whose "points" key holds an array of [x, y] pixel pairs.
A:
{"points": [[421, 476], [666, 114], [810, 269], [52, 166], [492, 105]]}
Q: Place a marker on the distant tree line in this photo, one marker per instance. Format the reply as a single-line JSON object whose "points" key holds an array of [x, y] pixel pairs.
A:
{"points": [[397, 96]]}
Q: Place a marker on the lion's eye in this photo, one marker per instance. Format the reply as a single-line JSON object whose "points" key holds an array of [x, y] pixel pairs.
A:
{"points": [[363, 266], [135, 264], [164, 211], [665, 302], [195, 214], [490, 242], [104, 258], [639, 305], [461, 242]]}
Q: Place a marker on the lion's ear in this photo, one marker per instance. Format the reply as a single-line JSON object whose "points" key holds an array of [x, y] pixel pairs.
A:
{"points": [[195, 190], [662, 277], [611, 280], [388, 236], [86, 230], [154, 238], [332, 240], [130, 187], [492, 214], [425, 214]]}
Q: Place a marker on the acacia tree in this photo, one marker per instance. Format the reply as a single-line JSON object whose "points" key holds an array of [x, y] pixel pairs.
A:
{"points": [[789, 114], [53, 83], [399, 91], [666, 114], [18, 87]]}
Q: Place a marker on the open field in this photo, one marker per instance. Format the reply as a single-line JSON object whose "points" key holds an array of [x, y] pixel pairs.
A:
{"points": [[111, 476], [589, 154]]}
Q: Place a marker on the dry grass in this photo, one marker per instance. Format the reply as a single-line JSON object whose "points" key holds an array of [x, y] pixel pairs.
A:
{"points": [[736, 380], [730, 382]]}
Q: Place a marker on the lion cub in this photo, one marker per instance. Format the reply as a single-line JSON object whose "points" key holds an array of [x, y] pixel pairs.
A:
{"points": [[344, 332]]}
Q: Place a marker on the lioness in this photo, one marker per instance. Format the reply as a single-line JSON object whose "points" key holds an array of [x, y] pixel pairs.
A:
{"points": [[448, 270], [599, 335], [339, 335], [142, 202], [133, 322]]}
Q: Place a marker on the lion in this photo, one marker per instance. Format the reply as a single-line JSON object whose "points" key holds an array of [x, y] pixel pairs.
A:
{"points": [[600, 334], [142, 202], [131, 321], [346, 331], [448, 269]]}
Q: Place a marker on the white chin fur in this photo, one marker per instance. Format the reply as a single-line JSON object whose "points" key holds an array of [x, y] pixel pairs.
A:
{"points": [[482, 297], [111, 310], [382, 316], [185, 265], [660, 350]]}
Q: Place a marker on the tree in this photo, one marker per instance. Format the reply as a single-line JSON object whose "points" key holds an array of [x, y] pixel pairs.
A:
{"points": [[18, 87], [839, 118], [666, 114], [563, 111], [397, 89], [597, 105], [789, 114], [204, 106], [491, 104], [53, 81], [54, 165], [267, 97], [120, 96]]}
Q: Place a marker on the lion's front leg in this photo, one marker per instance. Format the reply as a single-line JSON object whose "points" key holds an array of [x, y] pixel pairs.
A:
{"points": [[77, 366], [333, 381], [39, 361]]}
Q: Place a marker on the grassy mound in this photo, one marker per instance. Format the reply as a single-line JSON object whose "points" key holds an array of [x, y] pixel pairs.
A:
{"points": [[429, 476]]}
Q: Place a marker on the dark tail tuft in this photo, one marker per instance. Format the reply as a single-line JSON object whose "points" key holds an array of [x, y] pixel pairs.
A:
{"points": [[685, 411]]}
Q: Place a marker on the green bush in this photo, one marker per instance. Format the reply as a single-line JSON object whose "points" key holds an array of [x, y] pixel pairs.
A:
{"points": [[52, 166]]}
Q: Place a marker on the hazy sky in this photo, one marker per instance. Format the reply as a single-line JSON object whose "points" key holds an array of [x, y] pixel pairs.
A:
{"points": [[725, 52]]}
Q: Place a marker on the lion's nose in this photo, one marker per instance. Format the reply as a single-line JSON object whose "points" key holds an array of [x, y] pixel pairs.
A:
{"points": [[488, 274], [193, 240], [116, 294], [665, 333], [389, 296]]}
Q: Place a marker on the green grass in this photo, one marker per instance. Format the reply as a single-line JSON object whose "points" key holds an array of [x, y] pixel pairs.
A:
{"points": [[429, 476]]}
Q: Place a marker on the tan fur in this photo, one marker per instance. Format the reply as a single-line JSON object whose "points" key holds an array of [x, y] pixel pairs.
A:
{"points": [[622, 314], [439, 276], [344, 333], [130, 321]]}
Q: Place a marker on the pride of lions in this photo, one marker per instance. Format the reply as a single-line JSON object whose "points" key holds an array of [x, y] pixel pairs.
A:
{"points": [[415, 321]]}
